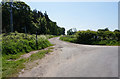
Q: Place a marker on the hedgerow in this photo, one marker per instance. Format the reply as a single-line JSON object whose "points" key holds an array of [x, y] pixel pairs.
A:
{"points": [[94, 37], [90, 36]]}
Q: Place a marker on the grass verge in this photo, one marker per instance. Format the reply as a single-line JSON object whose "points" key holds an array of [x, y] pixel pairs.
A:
{"points": [[12, 68], [68, 38], [101, 42], [16, 44]]}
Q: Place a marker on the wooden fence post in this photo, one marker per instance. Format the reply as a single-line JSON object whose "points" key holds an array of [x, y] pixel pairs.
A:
{"points": [[36, 41]]}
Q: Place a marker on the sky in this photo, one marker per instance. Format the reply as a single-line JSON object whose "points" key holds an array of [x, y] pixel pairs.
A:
{"points": [[80, 15], [70, 0]]}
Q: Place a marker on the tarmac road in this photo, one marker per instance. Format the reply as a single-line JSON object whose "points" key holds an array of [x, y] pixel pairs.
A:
{"points": [[76, 60]]}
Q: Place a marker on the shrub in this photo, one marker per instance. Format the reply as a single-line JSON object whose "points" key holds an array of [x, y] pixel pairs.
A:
{"points": [[86, 36]]}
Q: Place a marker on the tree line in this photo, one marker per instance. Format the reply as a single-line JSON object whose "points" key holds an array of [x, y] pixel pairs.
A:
{"points": [[27, 20]]}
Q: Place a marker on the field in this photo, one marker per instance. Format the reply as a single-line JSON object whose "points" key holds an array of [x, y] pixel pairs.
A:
{"points": [[16, 44]]}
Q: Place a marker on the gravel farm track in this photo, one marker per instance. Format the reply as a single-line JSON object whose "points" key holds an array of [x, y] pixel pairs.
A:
{"points": [[76, 60]]}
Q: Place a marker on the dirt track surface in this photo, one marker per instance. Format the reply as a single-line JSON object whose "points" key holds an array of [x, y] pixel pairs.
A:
{"points": [[76, 60]]}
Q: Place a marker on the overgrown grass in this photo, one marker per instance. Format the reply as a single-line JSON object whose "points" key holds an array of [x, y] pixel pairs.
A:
{"points": [[39, 55], [50, 36], [69, 38], [11, 68], [16, 44], [73, 39], [106, 42], [0, 55]]}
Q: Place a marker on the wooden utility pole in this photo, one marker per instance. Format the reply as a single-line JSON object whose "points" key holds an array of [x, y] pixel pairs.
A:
{"points": [[11, 16]]}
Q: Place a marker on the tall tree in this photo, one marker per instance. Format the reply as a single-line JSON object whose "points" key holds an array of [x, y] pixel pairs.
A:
{"points": [[26, 20]]}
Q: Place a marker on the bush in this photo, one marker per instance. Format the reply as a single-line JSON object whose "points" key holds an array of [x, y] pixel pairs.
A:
{"points": [[86, 36]]}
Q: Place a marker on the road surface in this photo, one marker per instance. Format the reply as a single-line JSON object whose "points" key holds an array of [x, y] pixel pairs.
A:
{"points": [[76, 60]]}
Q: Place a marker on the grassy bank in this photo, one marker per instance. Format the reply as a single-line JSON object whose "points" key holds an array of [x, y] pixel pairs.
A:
{"points": [[16, 44]]}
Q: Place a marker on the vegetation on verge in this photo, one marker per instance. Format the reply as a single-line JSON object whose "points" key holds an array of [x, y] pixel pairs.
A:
{"points": [[100, 37], [69, 38], [12, 68], [16, 44]]}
